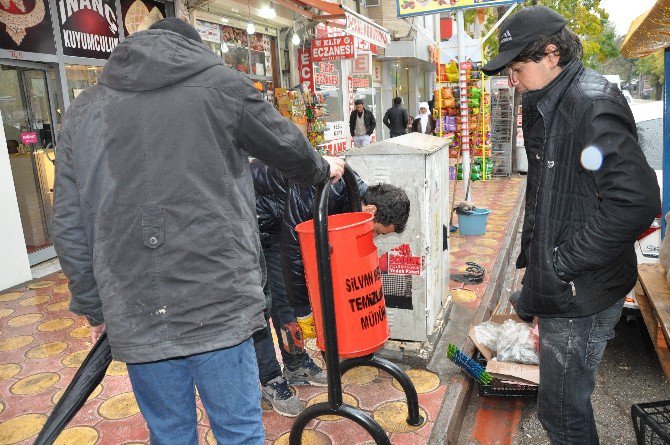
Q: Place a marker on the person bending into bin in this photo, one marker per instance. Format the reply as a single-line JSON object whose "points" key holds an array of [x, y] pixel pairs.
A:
{"points": [[361, 124], [589, 194], [160, 244], [280, 206]]}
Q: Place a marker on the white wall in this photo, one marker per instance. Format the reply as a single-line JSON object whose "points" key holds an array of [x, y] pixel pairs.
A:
{"points": [[14, 265]]}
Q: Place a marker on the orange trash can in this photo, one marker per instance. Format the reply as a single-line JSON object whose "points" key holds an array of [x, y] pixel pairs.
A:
{"points": [[360, 309]]}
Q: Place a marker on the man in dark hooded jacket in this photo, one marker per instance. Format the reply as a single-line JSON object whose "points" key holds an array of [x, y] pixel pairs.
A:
{"points": [[155, 225], [590, 193]]}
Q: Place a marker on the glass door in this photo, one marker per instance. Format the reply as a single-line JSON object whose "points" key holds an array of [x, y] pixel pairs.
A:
{"points": [[27, 114]]}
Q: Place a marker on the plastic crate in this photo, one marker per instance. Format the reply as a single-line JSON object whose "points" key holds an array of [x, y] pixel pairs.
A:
{"points": [[499, 389], [651, 422]]}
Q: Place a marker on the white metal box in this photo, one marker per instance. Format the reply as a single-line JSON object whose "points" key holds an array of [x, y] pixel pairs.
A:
{"points": [[415, 263]]}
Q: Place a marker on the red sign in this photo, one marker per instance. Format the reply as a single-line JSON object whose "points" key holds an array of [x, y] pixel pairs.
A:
{"points": [[362, 64], [335, 146], [401, 261], [29, 138], [466, 65], [362, 45], [326, 75], [305, 69], [350, 88], [333, 48], [361, 81]]}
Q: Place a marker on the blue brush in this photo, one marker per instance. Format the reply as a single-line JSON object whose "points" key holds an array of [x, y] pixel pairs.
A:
{"points": [[468, 365]]}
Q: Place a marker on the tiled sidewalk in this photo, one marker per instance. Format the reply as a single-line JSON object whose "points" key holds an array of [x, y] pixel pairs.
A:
{"points": [[42, 344]]}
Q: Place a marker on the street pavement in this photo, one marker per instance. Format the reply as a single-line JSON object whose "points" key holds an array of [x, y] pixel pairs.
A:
{"points": [[42, 344], [630, 373]]}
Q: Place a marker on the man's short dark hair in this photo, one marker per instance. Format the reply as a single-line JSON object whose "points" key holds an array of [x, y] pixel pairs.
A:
{"points": [[397, 100], [358, 102], [392, 205], [179, 26], [567, 42]]}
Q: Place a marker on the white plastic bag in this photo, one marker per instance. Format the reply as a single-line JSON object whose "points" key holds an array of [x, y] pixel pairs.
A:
{"points": [[515, 344], [487, 334]]}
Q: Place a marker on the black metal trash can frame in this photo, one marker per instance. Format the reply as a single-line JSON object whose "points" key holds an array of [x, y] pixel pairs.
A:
{"points": [[335, 404]]}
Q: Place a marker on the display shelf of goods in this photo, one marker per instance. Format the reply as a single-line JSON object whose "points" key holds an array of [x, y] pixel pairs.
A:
{"points": [[476, 169], [290, 104]]}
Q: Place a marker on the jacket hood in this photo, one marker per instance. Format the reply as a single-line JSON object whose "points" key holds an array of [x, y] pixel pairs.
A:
{"points": [[155, 58]]}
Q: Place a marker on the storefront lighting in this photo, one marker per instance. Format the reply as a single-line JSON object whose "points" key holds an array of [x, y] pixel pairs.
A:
{"points": [[224, 48], [295, 39], [224, 20], [268, 12]]}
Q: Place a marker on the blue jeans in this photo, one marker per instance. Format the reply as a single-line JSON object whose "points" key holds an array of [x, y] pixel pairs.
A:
{"points": [[570, 352], [227, 381], [282, 313], [360, 141]]}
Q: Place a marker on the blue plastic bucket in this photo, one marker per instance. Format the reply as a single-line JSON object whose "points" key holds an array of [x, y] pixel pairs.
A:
{"points": [[473, 223]]}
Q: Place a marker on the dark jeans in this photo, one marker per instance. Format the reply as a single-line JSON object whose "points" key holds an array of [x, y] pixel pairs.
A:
{"points": [[570, 352], [281, 313], [227, 381]]}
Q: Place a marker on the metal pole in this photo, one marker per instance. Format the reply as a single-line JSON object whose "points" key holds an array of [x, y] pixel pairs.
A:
{"points": [[465, 123], [666, 141], [326, 290]]}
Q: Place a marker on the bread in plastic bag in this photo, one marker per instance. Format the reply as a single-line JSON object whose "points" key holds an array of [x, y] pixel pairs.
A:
{"points": [[515, 344]]}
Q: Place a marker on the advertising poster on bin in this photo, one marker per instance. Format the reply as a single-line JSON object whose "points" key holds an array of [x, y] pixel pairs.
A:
{"points": [[89, 29], [26, 26]]}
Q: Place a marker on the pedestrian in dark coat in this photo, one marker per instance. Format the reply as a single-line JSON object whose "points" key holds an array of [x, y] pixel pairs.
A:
{"points": [[396, 118]]}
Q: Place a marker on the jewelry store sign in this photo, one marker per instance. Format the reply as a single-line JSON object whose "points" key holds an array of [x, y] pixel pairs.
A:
{"points": [[89, 28]]}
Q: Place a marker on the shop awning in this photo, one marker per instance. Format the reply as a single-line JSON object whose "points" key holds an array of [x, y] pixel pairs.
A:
{"points": [[341, 17], [649, 32]]}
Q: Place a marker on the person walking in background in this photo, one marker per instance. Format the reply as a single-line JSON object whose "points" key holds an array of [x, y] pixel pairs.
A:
{"points": [[424, 121], [396, 118], [160, 244], [590, 192], [361, 124]]}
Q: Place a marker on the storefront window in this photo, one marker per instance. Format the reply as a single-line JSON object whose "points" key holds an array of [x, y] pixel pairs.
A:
{"points": [[328, 80], [236, 43], [400, 78], [80, 77]]}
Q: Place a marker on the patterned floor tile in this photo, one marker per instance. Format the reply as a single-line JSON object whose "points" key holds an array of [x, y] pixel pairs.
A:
{"points": [[42, 344]]}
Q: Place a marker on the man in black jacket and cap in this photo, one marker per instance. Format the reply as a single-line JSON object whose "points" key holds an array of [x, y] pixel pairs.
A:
{"points": [[160, 243], [590, 193]]}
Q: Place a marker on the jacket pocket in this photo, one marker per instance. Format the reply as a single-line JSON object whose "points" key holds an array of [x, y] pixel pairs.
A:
{"points": [[153, 227]]}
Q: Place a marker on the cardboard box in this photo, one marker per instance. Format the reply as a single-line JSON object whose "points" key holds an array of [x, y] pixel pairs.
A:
{"points": [[513, 372]]}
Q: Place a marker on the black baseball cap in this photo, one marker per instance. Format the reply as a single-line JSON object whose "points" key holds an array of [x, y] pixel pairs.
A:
{"points": [[522, 29]]}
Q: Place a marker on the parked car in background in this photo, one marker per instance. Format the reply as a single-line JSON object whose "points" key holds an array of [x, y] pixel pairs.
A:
{"points": [[649, 122]]}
